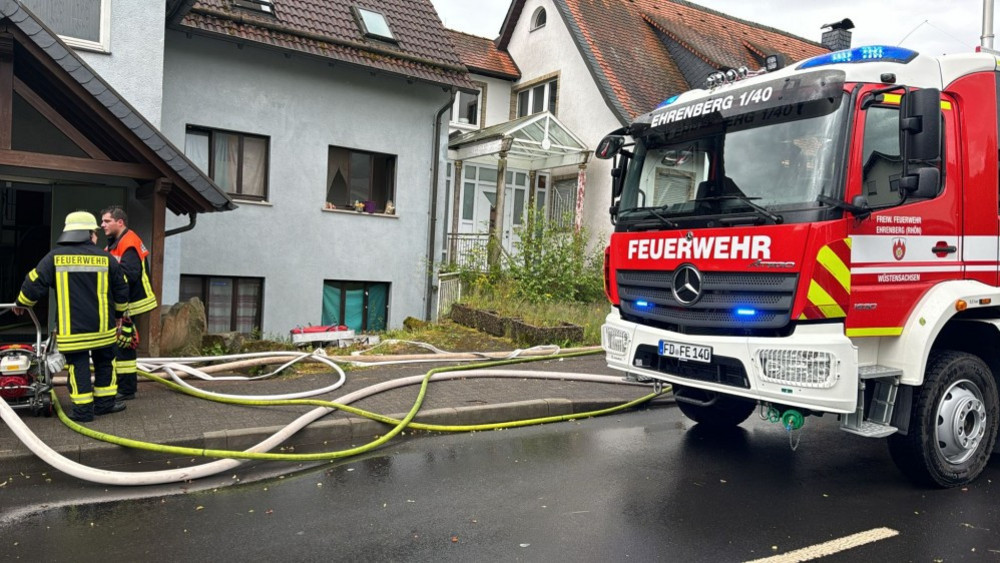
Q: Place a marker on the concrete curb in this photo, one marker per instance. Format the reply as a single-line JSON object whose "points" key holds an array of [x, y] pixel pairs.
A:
{"points": [[320, 436]]}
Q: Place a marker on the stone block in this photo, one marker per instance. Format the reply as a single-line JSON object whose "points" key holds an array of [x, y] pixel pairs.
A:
{"points": [[182, 328]]}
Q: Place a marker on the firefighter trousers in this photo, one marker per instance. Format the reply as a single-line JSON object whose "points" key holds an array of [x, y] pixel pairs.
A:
{"points": [[125, 370], [100, 393]]}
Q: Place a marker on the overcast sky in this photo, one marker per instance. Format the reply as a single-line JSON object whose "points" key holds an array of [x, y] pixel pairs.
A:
{"points": [[931, 27]]}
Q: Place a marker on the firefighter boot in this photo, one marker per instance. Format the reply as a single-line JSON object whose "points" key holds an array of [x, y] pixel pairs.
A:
{"points": [[107, 405], [128, 383], [82, 413]]}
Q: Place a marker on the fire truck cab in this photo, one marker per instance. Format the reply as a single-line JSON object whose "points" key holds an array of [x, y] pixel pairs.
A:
{"points": [[817, 239]]}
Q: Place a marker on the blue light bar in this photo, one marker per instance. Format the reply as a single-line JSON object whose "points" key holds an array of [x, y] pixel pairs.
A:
{"points": [[746, 312], [643, 304], [668, 101], [867, 54]]}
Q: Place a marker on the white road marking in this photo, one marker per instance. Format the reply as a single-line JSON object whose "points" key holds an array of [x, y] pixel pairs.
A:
{"points": [[831, 547]]}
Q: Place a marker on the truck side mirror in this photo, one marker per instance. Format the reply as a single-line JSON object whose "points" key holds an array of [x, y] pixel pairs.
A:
{"points": [[920, 125], [609, 146], [924, 182]]}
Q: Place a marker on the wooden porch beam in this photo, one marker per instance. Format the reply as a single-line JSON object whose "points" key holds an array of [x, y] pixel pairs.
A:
{"points": [[6, 89], [42, 107], [75, 164], [161, 189]]}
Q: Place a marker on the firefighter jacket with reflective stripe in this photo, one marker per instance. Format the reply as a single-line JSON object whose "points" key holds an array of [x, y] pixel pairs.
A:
{"points": [[135, 266], [91, 293]]}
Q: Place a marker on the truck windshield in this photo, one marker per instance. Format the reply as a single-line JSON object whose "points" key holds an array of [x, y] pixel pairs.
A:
{"points": [[754, 168]]}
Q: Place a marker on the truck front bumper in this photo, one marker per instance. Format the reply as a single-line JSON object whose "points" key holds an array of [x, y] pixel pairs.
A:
{"points": [[815, 367]]}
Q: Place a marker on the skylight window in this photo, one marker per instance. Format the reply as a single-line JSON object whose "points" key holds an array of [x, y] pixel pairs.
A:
{"points": [[266, 6], [373, 24]]}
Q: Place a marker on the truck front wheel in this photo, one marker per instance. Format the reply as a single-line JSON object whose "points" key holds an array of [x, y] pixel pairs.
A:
{"points": [[953, 424], [712, 409]]}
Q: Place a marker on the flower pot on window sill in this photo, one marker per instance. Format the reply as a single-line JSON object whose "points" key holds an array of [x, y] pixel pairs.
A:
{"points": [[369, 206]]}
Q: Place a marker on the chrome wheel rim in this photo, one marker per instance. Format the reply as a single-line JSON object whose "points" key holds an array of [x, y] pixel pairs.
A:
{"points": [[961, 422]]}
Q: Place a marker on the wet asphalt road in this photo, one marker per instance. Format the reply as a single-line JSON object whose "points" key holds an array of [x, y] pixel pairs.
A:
{"points": [[642, 486]]}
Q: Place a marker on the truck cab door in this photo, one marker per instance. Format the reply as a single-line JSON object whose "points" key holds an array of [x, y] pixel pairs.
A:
{"points": [[900, 250]]}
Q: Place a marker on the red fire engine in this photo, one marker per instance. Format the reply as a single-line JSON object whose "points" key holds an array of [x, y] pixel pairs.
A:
{"points": [[819, 238]]}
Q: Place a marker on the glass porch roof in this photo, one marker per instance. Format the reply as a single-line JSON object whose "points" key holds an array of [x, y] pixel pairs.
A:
{"points": [[536, 142]]}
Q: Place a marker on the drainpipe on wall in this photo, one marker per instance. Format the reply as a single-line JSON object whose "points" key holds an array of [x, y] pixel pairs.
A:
{"points": [[436, 159], [184, 229]]}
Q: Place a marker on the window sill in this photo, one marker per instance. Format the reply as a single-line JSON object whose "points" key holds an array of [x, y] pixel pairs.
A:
{"points": [[352, 212], [463, 126], [251, 201]]}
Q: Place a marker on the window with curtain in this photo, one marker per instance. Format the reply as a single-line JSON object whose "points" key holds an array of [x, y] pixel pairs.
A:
{"points": [[232, 304], [358, 176], [238, 162], [360, 306]]}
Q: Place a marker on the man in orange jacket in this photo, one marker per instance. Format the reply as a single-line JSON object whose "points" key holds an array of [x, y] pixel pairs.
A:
{"points": [[131, 253]]}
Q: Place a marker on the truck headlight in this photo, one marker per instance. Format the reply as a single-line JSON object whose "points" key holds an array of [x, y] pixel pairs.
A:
{"points": [[615, 341], [801, 368]]}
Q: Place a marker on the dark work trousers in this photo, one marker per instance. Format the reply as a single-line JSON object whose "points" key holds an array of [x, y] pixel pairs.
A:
{"points": [[125, 369], [100, 394]]}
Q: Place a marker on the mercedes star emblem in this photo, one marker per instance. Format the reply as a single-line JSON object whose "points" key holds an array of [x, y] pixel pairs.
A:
{"points": [[687, 285]]}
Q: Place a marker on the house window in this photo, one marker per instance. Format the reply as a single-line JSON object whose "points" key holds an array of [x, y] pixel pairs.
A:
{"points": [[538, 98], [83, 24], [356, 176], [373, 24], [356, 305], [266, 6], [231, 304], [538, 19], [238, 162], [465, 110]]}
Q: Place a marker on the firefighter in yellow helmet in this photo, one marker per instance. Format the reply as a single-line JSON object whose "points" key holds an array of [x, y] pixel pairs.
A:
{"points": [[91, 298]]}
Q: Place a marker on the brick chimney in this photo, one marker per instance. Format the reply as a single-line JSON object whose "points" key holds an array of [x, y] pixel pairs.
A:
{"points": [[838, 37]]}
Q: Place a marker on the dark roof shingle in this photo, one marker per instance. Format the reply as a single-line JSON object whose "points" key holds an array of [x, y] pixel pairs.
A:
{"points": [[327, 28]]}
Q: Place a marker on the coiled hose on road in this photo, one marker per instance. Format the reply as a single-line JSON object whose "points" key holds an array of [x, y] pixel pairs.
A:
{"points": [[261, 451]]}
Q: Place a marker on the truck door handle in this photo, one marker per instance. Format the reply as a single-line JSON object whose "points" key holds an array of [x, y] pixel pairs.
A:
{"points": [[943, 249]]}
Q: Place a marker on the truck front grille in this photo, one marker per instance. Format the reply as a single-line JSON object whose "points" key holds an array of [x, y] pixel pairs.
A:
{"points": [[729, 300]]}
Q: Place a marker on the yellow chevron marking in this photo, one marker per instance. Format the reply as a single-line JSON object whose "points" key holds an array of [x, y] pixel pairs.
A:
{"points": [[822, 300], [829, 260], [877, 331]]}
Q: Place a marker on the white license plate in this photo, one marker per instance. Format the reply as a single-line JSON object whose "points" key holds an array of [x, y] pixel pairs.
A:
{"points": [[681, 351]]}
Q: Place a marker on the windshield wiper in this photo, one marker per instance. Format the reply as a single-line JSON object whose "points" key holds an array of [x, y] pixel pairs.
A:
{"points": [[761, 210], [655, 212]]}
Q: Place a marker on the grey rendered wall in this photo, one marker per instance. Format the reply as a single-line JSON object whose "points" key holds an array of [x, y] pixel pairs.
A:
{"points": [[134, 66], [304, 106]]}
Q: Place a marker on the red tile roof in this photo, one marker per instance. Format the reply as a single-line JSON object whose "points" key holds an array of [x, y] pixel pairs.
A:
{"points": [[627, 45], [327, 28], [481, 56]]}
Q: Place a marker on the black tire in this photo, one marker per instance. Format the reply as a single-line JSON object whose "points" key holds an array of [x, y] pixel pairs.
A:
{"points": [[725, 412], [953, 423]]}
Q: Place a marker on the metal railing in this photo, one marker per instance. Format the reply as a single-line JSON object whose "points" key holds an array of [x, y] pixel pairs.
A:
{"points": [[468, 251], [449, 292]]}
